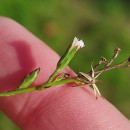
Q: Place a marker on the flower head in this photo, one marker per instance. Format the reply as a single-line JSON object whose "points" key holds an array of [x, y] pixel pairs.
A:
{"points": [[67, 56], [78, 43]]}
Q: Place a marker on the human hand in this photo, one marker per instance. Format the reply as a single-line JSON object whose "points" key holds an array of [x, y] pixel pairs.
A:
{"points": [[57, 108]]}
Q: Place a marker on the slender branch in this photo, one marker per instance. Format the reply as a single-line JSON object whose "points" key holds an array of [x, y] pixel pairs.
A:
{"points": [[120, 65], [63, 81], [17, 91], [101, 61], [41, 87], [116, 53]]}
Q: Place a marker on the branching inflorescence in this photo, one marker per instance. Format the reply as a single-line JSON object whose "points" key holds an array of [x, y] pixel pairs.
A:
{"points": [[82, 78]]}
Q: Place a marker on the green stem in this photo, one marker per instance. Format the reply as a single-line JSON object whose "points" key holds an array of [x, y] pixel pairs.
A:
{"points": [[53, 75], [41, 87], [63, 81], [17, 91]]}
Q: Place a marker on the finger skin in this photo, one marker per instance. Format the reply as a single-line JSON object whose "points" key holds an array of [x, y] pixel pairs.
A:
{"points": [[57, 108]]}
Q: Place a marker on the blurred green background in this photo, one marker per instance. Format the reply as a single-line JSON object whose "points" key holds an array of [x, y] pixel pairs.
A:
{"points": [[103, 25]]}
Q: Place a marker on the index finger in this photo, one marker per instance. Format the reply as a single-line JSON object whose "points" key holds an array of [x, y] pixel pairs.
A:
{"points": [[62, 107]]}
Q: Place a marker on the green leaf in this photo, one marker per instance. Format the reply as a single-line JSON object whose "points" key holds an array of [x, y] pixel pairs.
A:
{"points": [[29, 79], [61, 77]]}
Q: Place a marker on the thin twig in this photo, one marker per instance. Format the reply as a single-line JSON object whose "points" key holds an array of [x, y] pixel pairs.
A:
{"points": [[101, 61], [116, 52], [120, 65], [40, 87]]}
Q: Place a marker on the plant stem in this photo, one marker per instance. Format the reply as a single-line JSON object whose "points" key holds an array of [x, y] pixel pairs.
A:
{"points": [[41, 87], [120, 65], [17, 91], [116, 53], [63, 81]]}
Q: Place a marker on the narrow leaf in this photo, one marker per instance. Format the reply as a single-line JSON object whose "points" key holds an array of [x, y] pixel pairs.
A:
{"points": [[29, 79], [61, 77]]}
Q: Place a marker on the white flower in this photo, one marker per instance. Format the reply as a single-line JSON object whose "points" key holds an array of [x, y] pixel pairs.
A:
{"points": [[78, 43], [67, 56]]}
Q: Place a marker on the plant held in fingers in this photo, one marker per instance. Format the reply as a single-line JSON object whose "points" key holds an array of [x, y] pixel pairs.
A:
{"points": [[82, 78]]}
